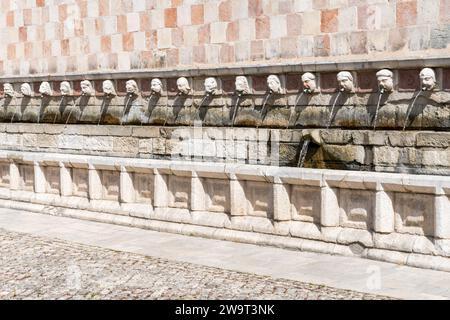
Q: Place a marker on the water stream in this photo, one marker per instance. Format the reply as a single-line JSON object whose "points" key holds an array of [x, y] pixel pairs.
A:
{"points": [[409, 110], [40, 110], [15, 110], [197, 111], [377, 109], [303, 152], [148, 107], [127, 101], [102, 107], [295, 106], [60, 105], [236, 107], [70, 113], [332, 109], [263, 109]]}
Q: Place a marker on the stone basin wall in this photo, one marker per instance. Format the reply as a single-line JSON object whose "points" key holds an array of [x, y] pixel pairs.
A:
{"points": [[400, 218], [420, 152]]}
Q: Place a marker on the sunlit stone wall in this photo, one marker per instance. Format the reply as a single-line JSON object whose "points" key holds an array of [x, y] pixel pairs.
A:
{"points": [[60, 36]]}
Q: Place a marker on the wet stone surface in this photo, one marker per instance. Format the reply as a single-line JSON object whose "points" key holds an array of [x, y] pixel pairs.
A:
{"points": [[41, 268]]}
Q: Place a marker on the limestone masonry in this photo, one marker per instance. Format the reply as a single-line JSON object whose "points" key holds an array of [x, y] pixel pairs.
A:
{"points": [[311, 125]]}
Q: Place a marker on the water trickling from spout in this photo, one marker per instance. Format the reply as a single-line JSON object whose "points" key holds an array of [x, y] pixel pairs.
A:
{"points": [[102, 110], [40, 110], [71, 110], [127, 101], [197, 111], [332, 108], [377, 109], [303, 152], [148, 106], [295, 106], [236, 107], [263, 109], [409, 110], [15, 111], [60, 105]]}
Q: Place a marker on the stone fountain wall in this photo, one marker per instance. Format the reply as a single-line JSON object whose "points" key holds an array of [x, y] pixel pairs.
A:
{"points": [[399, 218], [161, 126]]}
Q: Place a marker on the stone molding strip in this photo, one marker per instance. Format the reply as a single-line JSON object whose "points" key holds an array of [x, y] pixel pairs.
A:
{"points": [[284, 67], [392, 217]]}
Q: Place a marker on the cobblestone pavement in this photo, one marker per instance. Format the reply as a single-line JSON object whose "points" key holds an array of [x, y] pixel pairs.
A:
{"points": [[34, 267]]}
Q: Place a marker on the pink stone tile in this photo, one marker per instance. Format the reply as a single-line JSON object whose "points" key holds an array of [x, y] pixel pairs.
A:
{"points": [[262, 27], [65, 49], [294, 24], [122, 24], [26, 13], [233, 31], [255, 8], [406, 13], [170, 17], [204, 34], [62, 12], [103, 7], [285, 7], [28, 50], [225, 11], [106, 44], [145, 21], [10, 19], [257, 50], [199, 55], [226, 53], [358, 42], [78, 28], [40, 3], [128, 42], [197, 14], [329, 20], [151, 40], [177, 37], [22, 34]]}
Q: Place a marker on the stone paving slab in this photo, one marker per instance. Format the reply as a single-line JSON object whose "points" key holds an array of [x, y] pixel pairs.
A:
{"points": [[29, 239]]}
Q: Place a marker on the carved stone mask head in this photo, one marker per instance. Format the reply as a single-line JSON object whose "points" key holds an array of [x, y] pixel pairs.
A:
{"points": [[274, 84], [86, 88], [242, 86], [385, 79], [183, 85], [108, 88], [45, 89], [8, 90], [25, 89], [428, 79], [309, 82], [156, 85], [65, 88], [345, 80], [132, 87], [210, 85]]}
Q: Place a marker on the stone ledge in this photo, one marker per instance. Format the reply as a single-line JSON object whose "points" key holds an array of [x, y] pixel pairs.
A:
{"points": [[401, 258]]}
